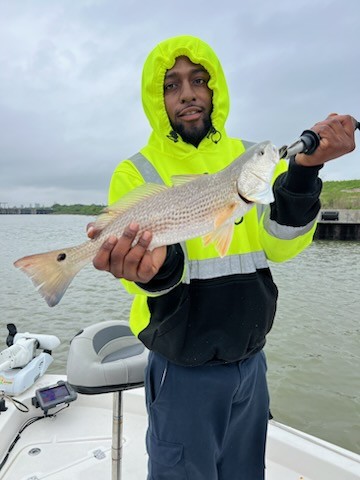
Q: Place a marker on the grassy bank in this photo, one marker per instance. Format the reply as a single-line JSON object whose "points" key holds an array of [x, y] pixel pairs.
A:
{"points": [[77, 209], [341, 194]]}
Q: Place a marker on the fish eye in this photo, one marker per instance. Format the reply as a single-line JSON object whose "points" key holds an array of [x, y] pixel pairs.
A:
{"points": [[61, 257], [261, 152]]}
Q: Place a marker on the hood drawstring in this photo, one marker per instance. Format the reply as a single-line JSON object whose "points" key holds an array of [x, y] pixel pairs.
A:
{"points": [[173, 136], [214, 135]]}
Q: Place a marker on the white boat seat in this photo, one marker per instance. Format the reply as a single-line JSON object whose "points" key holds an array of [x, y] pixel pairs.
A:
{"points": [[106, 357]]}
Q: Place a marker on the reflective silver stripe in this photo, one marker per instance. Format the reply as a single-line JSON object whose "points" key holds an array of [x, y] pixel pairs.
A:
{"points": [[260, 209], [146, 169], [230, 265], [284, 232]]}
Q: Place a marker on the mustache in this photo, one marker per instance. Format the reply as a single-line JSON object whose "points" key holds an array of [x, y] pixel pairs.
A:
{"points": [[187, 107]]}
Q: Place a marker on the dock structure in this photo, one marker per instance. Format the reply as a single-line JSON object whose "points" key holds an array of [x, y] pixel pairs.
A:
{"points": [[5, 210], [338, 224]]}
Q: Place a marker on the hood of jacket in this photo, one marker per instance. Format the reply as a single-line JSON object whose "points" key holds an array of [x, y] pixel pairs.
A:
{"points": [[161, 59]]}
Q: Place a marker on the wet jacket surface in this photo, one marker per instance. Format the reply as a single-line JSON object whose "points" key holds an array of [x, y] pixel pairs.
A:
{"points": [[200, 308]]}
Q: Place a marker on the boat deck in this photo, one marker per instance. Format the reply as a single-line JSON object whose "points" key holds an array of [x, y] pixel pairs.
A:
{"points": [[76, 444]]}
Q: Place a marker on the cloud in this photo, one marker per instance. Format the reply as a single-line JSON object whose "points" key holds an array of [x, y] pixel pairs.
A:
{"points": [[71, 76]]}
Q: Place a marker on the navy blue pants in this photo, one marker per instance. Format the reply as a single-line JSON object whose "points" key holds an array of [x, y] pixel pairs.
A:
{"points": [[208, 422]]}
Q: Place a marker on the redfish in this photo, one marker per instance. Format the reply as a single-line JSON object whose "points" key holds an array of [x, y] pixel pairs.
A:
{"points": [[195, 206]]}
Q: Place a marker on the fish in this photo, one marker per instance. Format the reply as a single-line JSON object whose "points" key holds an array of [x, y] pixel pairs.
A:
{"points": [[204, 206]]}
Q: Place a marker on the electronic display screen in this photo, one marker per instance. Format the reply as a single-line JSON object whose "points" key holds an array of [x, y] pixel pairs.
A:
{"points": [[55, 393], [50, 397]]}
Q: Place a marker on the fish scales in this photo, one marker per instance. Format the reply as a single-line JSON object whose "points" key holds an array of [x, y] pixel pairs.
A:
{"points": [[189, 210]]}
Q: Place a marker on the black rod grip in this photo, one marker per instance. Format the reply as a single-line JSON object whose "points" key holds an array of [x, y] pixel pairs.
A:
{"points": [[311, 141]]}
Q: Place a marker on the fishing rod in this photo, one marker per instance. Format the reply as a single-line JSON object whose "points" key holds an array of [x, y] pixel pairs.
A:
{"points": [[307, 143]]}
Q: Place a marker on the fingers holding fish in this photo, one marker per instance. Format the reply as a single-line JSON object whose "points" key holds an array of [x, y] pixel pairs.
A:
{"points": [[138, 264], [132, 262], [113, 251], [141, 264], [337, 138], [127, 257], [102, 260], [90, 230]]}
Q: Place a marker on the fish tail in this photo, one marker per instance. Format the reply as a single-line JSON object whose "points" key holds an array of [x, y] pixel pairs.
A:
{"points": [[52, 272]]}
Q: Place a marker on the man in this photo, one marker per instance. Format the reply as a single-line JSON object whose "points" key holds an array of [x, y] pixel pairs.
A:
{"points": [[205, 318]]}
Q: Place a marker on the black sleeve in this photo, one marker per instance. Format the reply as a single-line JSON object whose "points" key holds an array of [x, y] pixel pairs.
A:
{"points": [[296, 193], [170, 273]]}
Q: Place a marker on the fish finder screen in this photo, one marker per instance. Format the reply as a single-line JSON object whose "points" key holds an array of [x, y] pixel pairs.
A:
{"points": [[50, 397], [55, 393]]}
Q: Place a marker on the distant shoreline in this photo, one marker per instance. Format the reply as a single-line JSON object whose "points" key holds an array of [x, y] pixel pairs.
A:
{"points": [[57, 209], [341, 195]]}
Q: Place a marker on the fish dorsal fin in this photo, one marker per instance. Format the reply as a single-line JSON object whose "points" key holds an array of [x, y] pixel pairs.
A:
{"points": [[178, 180], [126, 202], [221, 237]]}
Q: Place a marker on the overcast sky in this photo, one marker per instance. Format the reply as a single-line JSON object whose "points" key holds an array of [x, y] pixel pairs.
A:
{"points": [[70, 106]]}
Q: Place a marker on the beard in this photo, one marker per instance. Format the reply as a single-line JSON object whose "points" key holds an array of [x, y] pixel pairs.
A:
{"points": [[193, 134]]}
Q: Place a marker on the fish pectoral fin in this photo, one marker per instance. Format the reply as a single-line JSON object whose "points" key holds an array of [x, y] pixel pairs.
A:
{"points": [[224, 215], [126, 202], [221, 237], [223, 231]]}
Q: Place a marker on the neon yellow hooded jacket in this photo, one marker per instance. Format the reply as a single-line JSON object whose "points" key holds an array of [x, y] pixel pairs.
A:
{"points": [[200, 308]]}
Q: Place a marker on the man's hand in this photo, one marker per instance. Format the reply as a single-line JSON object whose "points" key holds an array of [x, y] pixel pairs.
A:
{"points": [[136, 263], [336, 139]]}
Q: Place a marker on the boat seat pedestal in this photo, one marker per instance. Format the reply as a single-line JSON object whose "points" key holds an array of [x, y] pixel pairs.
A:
{"points": [[107, 357]]}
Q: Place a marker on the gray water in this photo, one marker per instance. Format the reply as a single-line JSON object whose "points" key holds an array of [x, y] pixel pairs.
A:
{"points": [[313, 350]]}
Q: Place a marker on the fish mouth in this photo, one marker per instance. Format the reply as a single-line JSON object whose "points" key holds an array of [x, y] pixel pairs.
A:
{"points": [[244, 199]]}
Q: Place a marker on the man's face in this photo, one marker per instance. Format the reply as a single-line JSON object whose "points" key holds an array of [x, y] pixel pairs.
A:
{"points": [[188, 100]]}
